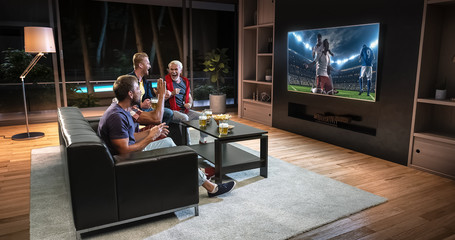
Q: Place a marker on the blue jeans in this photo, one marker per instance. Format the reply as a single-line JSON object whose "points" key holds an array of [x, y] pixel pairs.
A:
{"points": [[167, 142]]}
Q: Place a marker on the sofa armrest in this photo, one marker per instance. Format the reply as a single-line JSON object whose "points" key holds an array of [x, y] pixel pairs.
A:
{"points": [[93, 121], [155, 181]]}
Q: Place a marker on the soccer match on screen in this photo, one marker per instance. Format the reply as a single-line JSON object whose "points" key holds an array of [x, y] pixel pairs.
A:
{"points": [[337, 61]]}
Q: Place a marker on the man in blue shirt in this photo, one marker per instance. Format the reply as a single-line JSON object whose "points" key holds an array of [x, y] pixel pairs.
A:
{"points": [[121, 135], [366, 57]]}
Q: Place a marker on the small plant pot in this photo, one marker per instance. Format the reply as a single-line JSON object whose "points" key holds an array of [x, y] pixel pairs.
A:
{"points": [[440, 94]]}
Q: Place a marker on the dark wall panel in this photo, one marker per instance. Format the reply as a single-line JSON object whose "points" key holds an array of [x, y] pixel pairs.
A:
{"points": [[391, 114]]}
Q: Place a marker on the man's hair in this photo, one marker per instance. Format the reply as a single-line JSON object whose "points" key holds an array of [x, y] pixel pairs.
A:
{"points": [[123, 85], [319, 35], [138, 58], [176, 62]]}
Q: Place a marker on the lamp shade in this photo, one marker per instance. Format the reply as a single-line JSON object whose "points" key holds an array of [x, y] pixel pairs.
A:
{"points": [[39, 39]]}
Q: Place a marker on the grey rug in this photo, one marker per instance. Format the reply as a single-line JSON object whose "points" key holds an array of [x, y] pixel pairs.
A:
{"points": [[290, 201]]}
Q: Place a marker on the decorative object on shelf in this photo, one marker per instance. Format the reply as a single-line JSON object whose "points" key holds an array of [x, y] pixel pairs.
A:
{"points": [[268, 75], [36, 40], [265, 97], [441, 91]]}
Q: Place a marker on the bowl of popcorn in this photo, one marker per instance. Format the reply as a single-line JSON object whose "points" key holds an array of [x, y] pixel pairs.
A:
{"points": [[221, 117]]}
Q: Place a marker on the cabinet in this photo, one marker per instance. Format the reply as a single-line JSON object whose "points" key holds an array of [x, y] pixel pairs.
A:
{"points": [[256, 38], [432, 143]]}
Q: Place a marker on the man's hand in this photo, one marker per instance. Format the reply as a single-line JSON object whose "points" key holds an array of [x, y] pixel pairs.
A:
{"points": [[176, 91], [161, 87], [157, 131], [187, 105], [146, 104]]}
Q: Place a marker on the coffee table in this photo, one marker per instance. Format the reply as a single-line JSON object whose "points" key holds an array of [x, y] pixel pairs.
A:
{"points": [[226, 157]]}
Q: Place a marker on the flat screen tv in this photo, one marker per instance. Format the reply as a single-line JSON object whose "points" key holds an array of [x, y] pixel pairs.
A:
{"points": [[336, 61]]}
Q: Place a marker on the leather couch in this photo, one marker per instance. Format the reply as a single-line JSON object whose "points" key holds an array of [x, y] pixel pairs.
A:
{"points": [[108, 190]]}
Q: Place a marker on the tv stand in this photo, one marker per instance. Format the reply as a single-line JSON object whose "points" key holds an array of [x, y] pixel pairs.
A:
{"points": [[339, 121]]}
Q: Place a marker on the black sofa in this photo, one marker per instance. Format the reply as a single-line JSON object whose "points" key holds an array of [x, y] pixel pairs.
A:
{"points": [[108, 190]]}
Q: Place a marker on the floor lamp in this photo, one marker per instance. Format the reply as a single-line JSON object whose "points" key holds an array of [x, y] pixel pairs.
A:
{"points": [[37, 40]]}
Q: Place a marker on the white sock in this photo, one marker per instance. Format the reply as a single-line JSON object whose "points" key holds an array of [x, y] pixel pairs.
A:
{"points": [[215, 189]]}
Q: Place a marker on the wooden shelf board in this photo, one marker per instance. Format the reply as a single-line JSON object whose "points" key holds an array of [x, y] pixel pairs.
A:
{"points": [[258, 82], [249, 81], [252, 27], [436, 136], [440, 1], [268, 104], [265, 54], [265, 25], [436, 102]]}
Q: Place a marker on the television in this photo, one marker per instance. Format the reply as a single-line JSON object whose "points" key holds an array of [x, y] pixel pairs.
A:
{"points": [[336, 61]]}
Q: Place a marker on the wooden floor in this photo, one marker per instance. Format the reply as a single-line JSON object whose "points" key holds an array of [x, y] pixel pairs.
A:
{"points": [[420, 205]]}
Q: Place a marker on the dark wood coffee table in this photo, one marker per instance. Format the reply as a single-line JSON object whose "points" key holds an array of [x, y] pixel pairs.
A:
{"points": [[228, 158]]}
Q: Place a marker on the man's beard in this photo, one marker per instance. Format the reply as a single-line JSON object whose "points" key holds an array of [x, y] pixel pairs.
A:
{"points": [[136, 102]]}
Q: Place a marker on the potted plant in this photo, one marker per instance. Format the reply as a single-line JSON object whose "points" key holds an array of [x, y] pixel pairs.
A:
{"points": [[216, 63], [441, 91]]}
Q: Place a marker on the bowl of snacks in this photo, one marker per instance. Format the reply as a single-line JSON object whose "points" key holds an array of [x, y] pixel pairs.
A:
{"points": [[221, 117]]}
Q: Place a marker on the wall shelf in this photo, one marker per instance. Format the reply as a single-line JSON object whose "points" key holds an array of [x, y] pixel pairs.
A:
{"points": [[256, 38], [267, 104], [437, 136], [432, 143], [258, 82], [436, 102]]}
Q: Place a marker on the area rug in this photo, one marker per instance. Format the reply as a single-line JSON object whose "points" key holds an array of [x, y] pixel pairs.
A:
{"points": [[290, 201]]}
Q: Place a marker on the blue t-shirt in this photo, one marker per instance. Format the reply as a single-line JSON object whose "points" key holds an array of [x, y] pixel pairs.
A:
{"points": [[180, 98], [367, 56], [116, 123]]}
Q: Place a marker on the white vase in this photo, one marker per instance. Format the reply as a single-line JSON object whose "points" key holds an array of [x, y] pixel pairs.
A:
{"points": [[218, 103], [440, 94]]}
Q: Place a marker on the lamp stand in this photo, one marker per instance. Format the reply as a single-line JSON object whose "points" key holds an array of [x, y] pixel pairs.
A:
{"points": [[28, 135]]}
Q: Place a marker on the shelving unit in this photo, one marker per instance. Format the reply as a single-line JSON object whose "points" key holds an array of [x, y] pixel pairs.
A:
{"points": [[256, 38], [432, 143]]}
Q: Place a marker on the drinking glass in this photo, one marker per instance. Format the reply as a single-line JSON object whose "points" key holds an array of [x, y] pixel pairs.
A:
{"points": [[154, 102], [223, 128], [202, 121], [208, 113]]}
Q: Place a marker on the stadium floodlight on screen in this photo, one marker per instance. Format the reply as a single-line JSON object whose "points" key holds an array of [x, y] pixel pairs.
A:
{"points": [[337, 61]]}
